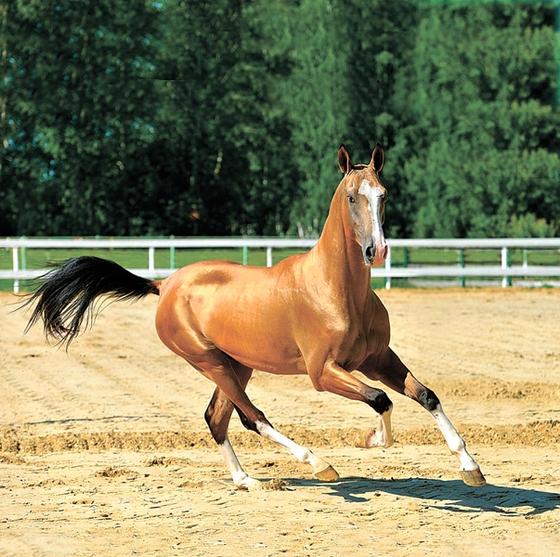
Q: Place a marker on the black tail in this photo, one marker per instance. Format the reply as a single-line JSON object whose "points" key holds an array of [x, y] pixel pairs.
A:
{"points": [[67, 294]]}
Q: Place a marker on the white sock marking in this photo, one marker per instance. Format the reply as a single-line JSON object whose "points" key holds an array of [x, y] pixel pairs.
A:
{"points": [[454, 440], [240, 478], [301, 453]]}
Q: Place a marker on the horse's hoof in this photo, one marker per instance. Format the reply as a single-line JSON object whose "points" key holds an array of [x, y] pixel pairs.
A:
{"points": [[371, 439], [328, 474], [249, 484], [474, 478]]}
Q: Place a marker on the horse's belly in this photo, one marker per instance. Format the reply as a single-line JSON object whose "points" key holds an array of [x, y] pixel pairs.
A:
{"points": [[260, 348]]}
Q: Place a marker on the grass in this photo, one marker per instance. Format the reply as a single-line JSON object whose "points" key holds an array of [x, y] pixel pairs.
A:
{"points": [[138, 258]]}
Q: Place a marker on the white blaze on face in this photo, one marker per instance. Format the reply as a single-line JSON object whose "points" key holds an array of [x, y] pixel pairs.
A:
{"points": [[374, 196]]}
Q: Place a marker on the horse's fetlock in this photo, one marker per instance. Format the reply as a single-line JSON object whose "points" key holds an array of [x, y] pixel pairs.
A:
{"points": [[458, 447]]}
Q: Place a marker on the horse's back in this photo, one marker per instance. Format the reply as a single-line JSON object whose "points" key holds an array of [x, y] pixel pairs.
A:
{"points": [[221, 279]]}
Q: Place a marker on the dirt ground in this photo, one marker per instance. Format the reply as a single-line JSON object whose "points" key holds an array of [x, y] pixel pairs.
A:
{"points": [[104, 450]]}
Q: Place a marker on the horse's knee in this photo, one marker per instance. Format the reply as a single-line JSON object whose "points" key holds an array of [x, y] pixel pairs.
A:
{"points": [[379, 401], [421, 394], [428, 399]]}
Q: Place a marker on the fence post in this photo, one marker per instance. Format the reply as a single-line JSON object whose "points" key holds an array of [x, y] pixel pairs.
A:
{"points": [[462, 264], [269, 256], [172, 253], [388, 269], [15, 266], [151, 259], [23, 255], [506, 281]]}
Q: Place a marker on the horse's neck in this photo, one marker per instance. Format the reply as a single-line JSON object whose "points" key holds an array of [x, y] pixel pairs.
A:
{"points": [[338, 258]]}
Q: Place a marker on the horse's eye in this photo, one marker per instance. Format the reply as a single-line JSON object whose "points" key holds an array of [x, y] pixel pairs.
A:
{"points": [[351, 199]]}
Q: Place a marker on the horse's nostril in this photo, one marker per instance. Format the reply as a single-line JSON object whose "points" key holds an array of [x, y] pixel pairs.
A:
{"points": [[370, 252]]}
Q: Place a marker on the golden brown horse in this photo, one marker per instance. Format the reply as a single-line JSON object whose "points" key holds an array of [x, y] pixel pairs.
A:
{"points": [[312, 313]]}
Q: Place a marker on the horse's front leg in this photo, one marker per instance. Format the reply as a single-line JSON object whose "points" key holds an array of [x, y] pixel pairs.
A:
{"points": [[389, 369], [335, 379]]}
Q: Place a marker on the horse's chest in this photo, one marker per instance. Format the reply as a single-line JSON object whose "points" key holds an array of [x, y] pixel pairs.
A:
{"points": [[361, 343], [355, 353]]}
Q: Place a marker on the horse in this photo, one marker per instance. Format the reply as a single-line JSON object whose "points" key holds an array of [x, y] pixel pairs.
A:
{"points": [[313, 313]]}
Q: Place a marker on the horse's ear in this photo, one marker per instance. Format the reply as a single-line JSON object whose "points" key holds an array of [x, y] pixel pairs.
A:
{"points": [[377, 158], [344, 162]]}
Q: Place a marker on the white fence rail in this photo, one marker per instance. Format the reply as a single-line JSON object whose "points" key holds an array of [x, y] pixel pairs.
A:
{"points": [[462, 271]]}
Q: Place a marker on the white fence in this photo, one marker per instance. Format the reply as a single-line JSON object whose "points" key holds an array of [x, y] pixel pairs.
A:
{"points": [[460, 270]]}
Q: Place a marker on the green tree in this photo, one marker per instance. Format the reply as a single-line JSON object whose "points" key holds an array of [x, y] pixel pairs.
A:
{"points": [[485, 136], [380, 36], [78, 109], [347, 58], [189, 117], [230, 146], [308, 34]]}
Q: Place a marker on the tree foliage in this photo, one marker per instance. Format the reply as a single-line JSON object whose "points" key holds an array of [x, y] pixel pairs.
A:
{"points": [[192, 117], [78, 100], [228, 147], [485, 130]]}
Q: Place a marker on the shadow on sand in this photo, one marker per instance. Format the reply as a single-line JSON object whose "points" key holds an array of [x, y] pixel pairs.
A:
{"points": [[449, 495]]}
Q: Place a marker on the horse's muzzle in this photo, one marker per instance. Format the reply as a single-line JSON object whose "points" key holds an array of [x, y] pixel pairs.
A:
{"points": [[375, 254]]}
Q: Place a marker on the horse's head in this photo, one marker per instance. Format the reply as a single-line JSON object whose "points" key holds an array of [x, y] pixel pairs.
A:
{"points": [[365, 202]]}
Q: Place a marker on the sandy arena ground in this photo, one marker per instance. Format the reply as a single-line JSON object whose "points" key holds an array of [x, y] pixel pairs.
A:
{"points": [[104, 451]]}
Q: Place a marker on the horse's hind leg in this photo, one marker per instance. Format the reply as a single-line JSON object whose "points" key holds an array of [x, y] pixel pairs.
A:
{"points": [[217, 416], [229, 395], [389, 369]]}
